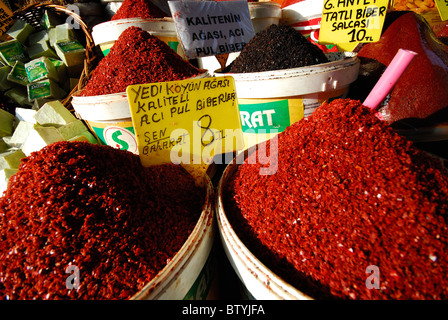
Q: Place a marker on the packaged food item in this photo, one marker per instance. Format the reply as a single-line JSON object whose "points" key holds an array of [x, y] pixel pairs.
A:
{"points": [[43, 89], [11, 51], [18, 74], [41, 68]]}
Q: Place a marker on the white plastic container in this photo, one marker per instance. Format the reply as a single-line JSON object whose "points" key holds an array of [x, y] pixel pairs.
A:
{"points": [[109, 118], [269, 101], [190, 274], [258, 280], [105, 34]]}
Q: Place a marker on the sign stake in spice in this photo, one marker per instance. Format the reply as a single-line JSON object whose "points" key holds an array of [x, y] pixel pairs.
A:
{"points": [[185, 122], [389, 78], [208, 28], [352, 21]]}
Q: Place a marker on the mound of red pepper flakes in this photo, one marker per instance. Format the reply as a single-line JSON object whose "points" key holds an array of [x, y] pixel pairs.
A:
{"points": [[137, 57], [96, 208], [349, 193], [144, 9], [422, 90]]}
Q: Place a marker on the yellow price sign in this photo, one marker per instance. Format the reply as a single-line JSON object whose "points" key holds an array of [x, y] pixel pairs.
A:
{"points": [[442, 7], [185, 122], [352, 21]]}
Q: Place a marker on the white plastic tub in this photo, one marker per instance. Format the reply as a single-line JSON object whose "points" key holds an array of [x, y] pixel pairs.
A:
{"points": [[258, 280], [190, 274], [109, 118], [270, 101]]}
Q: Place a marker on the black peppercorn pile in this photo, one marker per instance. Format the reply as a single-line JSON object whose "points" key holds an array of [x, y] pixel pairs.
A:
{"points": [[276, 48], [95, 208]]}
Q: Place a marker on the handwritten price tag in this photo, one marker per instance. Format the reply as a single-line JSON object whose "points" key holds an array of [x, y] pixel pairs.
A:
{"points": [[350, 21], [185, 122], [442, 7]]}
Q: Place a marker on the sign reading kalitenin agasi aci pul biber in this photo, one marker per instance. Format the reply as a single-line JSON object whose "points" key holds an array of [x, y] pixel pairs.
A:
{"points": [[209, 28]]}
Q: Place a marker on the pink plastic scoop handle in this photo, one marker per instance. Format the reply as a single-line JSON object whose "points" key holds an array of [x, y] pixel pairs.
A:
{"points": [[389, 78]]}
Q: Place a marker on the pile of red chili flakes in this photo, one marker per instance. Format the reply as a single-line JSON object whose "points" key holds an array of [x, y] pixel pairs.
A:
{"points": [[349, 193], [144, 9], [137, 57], [96, 208]]}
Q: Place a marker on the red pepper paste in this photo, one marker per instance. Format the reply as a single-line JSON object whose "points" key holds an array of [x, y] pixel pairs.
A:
{"points": [[349, 193], [422, 89], [144, 9], [137, 57], [96, 208]]}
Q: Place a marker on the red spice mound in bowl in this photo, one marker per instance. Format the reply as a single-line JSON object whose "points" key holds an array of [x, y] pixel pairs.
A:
{"points": [[96, 208], [138, 9], [137, 57], [422, 90], [349, 194]]}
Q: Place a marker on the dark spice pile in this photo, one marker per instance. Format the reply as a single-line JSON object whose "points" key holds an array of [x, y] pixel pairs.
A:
{"points": [[276, 48], [349, 193], [96, 208], [137, 57], [144, 9]]}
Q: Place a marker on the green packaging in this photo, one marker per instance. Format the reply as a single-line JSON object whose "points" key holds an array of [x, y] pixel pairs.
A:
{"points": [[50, 19], [11, 51], [45, 89], [18, 74], [41, 68], [71, 52], [60, 68]]}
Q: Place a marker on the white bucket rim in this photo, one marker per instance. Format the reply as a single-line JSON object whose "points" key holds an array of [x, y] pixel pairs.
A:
{"points": [[165, 277], [109, 31], [259, 273], [339, 73]]}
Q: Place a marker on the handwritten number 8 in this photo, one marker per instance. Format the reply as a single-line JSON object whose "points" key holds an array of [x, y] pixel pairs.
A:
{"points": [[207, 128]]}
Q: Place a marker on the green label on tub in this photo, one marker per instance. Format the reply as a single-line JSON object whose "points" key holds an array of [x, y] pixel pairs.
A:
{"points": [[173, 45], [264, 116]]}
